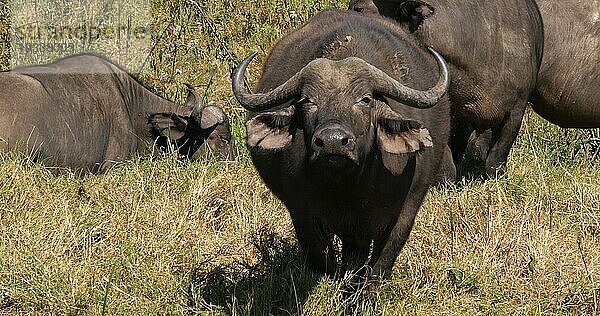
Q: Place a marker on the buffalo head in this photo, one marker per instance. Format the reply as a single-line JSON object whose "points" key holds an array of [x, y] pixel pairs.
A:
{"points": [[205, 131], [340, 107]]}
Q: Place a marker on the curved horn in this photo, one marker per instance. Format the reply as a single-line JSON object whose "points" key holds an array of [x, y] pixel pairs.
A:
{"points": [[262, 101], [390, 87]]}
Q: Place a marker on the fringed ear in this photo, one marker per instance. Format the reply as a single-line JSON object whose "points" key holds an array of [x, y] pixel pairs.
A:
{"points": [[212, 116], [397, 136], [270, 130], [171, 126], [402, 136], [413, 13]]}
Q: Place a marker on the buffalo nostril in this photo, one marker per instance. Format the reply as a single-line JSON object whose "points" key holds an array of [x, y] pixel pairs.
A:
{"points": [[319, 142], [333, 139]]}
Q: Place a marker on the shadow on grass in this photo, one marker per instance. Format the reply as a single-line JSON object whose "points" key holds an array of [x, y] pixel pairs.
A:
{"points": [[277, 285]]}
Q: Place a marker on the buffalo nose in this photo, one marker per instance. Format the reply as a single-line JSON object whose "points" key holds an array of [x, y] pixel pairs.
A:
{"points": [[333, 140]]}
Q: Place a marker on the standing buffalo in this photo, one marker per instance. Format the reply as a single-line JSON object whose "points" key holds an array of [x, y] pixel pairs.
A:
{"points": [[84, 113], [568, 89], [494, 49], [349, 130]]}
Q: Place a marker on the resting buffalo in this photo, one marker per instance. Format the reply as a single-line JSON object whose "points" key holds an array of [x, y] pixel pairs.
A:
{"points": [[493, 48], [568, 88], [348, 129], [84, 113]]}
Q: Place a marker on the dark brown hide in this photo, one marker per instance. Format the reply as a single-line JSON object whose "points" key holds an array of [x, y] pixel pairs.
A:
{"points": [[568, 88], [345, 158]]}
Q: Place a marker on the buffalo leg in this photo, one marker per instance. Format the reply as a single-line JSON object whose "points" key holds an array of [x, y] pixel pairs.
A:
{"points": [[354, 259], [458, 146], [315, 242], [503, 139], [354, 254], [386, 249], [447, 168]]}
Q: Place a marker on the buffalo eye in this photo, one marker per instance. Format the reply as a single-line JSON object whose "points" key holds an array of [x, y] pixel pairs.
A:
{"points": [[364, 104], [366, 99]]}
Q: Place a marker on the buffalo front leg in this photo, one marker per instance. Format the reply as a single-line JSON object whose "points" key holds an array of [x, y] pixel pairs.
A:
{"points": [[447, 168], [458, 142], [316, 242], [502, 140], [387, 248], [354, 253]]}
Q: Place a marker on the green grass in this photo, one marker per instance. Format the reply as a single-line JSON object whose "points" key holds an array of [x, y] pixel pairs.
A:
{"points": [[167, 237]]}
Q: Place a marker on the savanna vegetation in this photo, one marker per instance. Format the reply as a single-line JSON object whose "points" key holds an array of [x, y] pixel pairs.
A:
{"points": [[161, 236]]}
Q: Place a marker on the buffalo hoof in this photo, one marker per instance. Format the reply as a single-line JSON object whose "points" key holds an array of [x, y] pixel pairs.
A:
{"points": [[360, 289]]}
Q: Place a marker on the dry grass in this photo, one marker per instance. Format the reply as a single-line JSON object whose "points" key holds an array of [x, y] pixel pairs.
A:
{"points": [[166, 237]]}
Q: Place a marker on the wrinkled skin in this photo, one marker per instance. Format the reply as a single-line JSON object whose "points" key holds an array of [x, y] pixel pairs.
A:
{"points": [[345, 159], [85, 113], [568, 88], [494, 49]]}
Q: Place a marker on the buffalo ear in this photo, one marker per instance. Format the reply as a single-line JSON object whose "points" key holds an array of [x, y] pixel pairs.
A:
{"points": [[398, 136], [270, 130], [363, 6], [402, 136], [413, 13], [171, 126], [212, 116]]}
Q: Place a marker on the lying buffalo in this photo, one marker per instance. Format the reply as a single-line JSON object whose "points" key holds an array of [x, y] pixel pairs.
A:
{"points": [[85, 113], [349, 130], [568, 89], [494, 49]]}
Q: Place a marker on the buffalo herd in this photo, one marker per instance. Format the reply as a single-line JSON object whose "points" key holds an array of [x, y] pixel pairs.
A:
{"points": [[356, 114]]}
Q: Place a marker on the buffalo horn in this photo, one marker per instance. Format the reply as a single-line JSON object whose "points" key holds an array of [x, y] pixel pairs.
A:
{"points": [[390, 87], [258, 102]]}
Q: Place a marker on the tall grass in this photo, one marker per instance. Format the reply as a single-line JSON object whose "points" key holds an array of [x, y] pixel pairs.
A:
{"points": [[168, 237], [4, 35]]}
